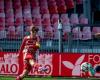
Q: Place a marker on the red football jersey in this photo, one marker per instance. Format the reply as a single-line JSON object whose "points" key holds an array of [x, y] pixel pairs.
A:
{"points": [[29, 44]]}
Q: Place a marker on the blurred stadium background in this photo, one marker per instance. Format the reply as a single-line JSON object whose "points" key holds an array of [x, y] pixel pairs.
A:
{"points": [[64, 25]]}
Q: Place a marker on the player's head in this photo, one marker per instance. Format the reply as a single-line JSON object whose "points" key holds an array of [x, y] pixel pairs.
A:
{"points": [[33, 30]]}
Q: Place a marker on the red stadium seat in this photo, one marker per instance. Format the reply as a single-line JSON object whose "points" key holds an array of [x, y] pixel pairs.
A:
{"points": [[46, 20], [35, 10], [17, 4], [18, 13], [2, 27], [76, 31], [11, 34], [20, 32], [28, 21], [2, 34], [27, 13], [69, 4], [52, 7], [48, 34], [64, 19], [9, 13], [41, 33], [10, 21], [61, 6], [86, 32], [34, 3], [54, 21], [77, 34], [56, 34], [74, 19], [25, 4], [2, 22], [1, 6], [8, 4], [18, 21], [95, 30], [66, 25], [44, 10], [37, 20]]}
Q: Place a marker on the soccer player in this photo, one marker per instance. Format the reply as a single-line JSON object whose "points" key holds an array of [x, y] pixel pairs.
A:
{"points": [[28, 50]]}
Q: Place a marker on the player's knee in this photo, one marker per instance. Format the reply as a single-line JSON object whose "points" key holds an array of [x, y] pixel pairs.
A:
{"points": [[31, 62]]}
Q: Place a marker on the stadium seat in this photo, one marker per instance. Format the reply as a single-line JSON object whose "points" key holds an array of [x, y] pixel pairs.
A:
{"points": [[1, 6], [61, 6], [74, 19], [64, 19], [2, 26], [95, 30], [44, 10], [37, 20], [77, 34], [34, 3], [8, 4], [46, 20], [27, 12], [48, 33], [69, 4], [11, 34], [20, 32], [52, 7], [3, 34], [9, 13], [66, 25], [86, 32], [18, 21], [76, 31], [54, 21], [17, 4], [10, 20], [28, 21], [83, 20], [2, 20], [41, 33], [18, 13], [35, 10]]}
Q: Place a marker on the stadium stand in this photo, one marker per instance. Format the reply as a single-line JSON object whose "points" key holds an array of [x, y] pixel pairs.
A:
{"points": [[17, 15]]}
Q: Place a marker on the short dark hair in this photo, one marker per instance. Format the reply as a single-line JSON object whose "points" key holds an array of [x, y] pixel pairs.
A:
{"points": [[34, 29]]}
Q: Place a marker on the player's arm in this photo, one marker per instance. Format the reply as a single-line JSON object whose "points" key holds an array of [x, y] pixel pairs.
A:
{"points": [[22, 45], [38, 42]]}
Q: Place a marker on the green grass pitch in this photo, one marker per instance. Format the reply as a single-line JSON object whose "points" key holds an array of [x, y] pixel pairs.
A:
{"points": [[47, 78]]}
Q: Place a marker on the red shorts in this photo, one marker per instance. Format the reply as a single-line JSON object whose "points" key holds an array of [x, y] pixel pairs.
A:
{"points": [[28, 56], [26, 63]]}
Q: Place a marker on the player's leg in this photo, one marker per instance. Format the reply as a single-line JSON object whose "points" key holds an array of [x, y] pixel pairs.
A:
{"points": [[34, 63], [27, 68]]}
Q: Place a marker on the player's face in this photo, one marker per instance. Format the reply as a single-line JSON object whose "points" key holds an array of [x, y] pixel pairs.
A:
{"points": [[33, 33]]}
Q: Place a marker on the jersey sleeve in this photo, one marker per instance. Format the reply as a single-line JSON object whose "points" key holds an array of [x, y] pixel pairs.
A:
{"points": [[22, 45]]}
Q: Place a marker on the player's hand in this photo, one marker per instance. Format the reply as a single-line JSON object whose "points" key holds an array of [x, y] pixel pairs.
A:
{"points": [[37, 44]]}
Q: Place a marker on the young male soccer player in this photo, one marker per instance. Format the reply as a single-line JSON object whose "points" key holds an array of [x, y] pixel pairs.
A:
{"points": [[28, 49]]}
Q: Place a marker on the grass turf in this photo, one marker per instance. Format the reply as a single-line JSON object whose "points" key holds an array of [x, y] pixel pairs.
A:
{"points": [[48, 78]]}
